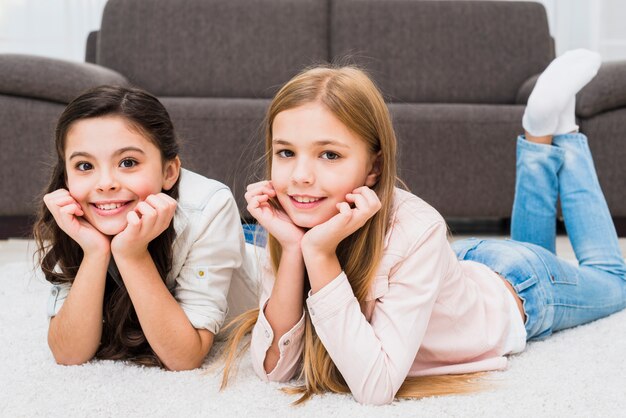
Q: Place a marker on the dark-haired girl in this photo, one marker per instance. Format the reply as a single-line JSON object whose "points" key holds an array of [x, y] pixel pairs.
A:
{"points": [[141, 252]]}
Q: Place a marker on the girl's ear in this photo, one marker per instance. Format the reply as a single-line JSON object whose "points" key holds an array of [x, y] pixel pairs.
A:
{"points": [[372, 177], [171, 172]]}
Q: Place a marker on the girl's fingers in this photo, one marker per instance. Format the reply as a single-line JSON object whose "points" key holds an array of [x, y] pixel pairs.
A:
{"points": [[165, 207], [63, 200], [148, 214], [70, 209], [133, 220], [366, 192], [251, 193], [259, 191], [360, 202], [163, 204], [55, 194], [59, 198], [156, 202], [370, 197], [145, 210], [344, 208], [257, 202], [257, 185], [77, 210], [60, 202], [362, 208]]}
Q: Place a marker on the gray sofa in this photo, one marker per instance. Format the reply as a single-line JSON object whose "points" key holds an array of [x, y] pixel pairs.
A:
{"points": [[456, 74]]}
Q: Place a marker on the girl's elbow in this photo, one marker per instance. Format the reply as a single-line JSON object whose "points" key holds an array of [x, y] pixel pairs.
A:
{"points": [[276, 378], [181, 365], [377, 399], [70, 359], [375, 392], [190, 360]]}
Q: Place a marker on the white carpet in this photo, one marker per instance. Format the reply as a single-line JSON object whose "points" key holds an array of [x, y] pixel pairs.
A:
{"points": [[576, 373]]}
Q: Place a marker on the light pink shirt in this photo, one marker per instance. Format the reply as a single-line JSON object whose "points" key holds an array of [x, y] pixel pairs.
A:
{"points": [[427, 314]]}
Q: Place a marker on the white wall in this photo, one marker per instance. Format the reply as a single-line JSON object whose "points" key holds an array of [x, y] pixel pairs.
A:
{"points": [[52, 28], [599, 25], [59, 28]]}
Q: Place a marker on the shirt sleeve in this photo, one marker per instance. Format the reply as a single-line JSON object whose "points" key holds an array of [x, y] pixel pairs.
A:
{"points": [[375, 357], [58, 294], [204, 280], [290, 345]]}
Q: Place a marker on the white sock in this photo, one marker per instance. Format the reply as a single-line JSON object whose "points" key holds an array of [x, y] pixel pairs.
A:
{"points": [[567, 118], [550, 108]]}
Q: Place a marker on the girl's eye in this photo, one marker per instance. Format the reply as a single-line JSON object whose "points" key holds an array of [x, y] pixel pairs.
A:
{"points": [[84, 166], [285, 153], [128, 163], [329, 155]]}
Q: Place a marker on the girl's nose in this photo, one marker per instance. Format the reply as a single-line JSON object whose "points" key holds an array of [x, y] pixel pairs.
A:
{"points": [[107, 181], [303, 172]]}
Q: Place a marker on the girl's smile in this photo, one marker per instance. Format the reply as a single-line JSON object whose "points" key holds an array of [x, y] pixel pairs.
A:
{"points": [[306, 202], [110, 208], [316, 161]]}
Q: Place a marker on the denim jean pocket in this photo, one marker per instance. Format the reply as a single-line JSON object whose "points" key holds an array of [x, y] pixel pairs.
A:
{"points": [[462, 247], [554, 265]]}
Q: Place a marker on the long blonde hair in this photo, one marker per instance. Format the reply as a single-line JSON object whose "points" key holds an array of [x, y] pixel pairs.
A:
{"points": [[355, 100]]}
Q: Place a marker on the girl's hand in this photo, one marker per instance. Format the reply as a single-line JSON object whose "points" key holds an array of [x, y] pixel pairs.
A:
{"points": [[274, 220], [325, 238], [146, 222], [68, 215]]}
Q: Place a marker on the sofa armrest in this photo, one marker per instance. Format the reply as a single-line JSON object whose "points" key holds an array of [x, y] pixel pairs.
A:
{"points": [[51, 79], [91, 47], [606, 91], [524, 91]]}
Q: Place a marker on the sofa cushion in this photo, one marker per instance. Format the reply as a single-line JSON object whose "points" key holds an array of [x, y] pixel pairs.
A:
{"points": [[607, 133], [444, 51], [27, 138], [210, 48], [222, 139], [460, 158]]}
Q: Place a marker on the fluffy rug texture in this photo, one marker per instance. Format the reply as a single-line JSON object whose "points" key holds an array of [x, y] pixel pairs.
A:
{"points": [[576, 373]]}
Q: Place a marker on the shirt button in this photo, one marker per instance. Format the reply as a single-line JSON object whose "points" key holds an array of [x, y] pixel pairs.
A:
{"points": [[54, 292], [267, 334], [286, 342], [311, 311]]}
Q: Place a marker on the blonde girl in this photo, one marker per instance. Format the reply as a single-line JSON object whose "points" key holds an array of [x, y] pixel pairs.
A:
{"points": [[362, 291]]}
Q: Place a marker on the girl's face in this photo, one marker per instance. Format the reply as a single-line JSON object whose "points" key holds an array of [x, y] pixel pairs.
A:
{"points": [[316, 161], [110, 168]]}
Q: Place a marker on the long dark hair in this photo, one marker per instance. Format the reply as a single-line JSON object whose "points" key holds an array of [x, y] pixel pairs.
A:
{"points": [[60, 256]]}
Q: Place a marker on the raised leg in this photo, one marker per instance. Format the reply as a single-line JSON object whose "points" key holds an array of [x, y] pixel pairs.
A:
{"points": [[585, 212], [533, 218], [550, 111]]}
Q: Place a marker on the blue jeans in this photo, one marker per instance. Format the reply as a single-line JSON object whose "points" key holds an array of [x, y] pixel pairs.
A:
{"points": [[557, 294]]}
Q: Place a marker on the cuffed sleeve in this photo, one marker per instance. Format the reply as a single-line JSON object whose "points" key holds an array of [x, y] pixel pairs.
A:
{"points": [[290, 347], [58, 294], [375, 357], [203, 282]]}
